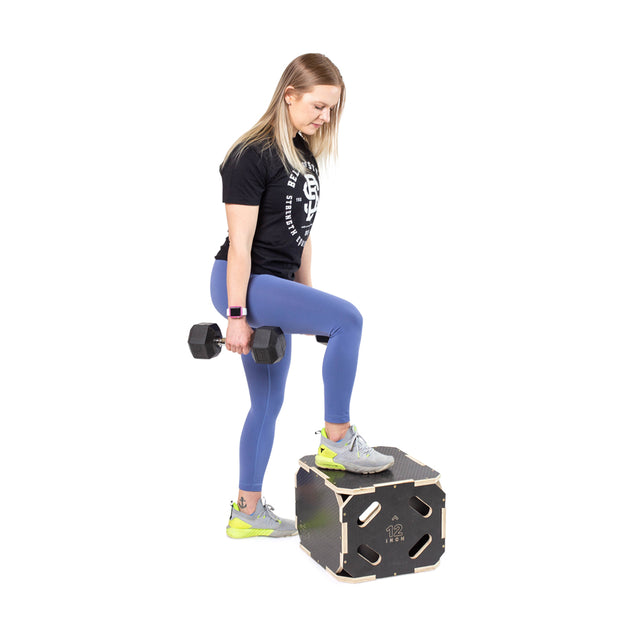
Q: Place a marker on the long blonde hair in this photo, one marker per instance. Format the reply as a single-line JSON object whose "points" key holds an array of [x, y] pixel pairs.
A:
{"points": [[274, 127]]}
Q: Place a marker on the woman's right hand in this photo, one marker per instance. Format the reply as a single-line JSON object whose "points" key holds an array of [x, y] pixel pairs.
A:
{"points": [[238, 338]]}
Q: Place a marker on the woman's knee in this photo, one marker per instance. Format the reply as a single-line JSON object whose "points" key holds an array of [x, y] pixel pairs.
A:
{"points": [[351, 319], [267, 383], [267, 405]]}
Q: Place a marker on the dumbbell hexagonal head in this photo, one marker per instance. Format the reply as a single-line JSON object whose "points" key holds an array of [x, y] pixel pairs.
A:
{"points": [[202, 340], [269, 345]]}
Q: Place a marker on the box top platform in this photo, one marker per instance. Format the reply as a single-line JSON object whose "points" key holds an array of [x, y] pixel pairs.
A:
{"points": [[404, 469]]}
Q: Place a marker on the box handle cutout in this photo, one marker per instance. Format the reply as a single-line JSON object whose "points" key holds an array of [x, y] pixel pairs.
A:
{"points": [[420, 546], [371, 556], [369, 514], [420, 506]]}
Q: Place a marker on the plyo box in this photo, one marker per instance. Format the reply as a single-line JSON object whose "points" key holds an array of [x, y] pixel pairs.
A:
{"points": [[361, 527]]}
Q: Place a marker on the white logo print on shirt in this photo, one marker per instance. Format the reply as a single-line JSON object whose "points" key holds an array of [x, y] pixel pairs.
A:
{"points": [[311, 193]]}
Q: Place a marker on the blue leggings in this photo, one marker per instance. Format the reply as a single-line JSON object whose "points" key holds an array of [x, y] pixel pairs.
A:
{"points": [[295, 308]]}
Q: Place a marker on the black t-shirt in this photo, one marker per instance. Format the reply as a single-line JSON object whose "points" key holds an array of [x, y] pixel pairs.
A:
{"points": [[288, 202]]}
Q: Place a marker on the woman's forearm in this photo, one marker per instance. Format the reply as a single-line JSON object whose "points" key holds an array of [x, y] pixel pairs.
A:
{"points": [[238, 272], [242, 222]]}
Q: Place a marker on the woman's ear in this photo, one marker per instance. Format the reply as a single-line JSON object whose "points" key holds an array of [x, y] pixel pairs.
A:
{"points": [[290, 95]]}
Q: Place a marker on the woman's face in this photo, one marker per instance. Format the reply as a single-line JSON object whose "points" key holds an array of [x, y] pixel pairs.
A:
{"points": [[310, 111]]}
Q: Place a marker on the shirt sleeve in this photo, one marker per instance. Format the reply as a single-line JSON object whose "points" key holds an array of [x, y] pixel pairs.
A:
{"points": [[244, 179]]}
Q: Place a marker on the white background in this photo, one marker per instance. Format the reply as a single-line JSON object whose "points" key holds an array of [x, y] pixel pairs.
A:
{"points": [[487, 182]]}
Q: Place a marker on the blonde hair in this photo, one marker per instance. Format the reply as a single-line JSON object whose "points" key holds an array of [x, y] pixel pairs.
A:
{"points": [[274, 127]]}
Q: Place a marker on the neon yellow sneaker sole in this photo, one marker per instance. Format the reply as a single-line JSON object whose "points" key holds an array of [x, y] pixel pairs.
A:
{"points": [[238, 534], [327, 463], [239, 529]]}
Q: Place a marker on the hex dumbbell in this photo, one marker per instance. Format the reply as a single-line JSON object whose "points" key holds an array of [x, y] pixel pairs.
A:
{"points": [[267, 346]]}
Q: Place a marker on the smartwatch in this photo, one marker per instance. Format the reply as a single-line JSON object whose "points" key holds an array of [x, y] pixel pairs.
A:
{"points": [[236, 312]]}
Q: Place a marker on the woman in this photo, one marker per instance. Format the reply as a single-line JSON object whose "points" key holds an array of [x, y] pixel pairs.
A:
{"points": [[262, 276]]}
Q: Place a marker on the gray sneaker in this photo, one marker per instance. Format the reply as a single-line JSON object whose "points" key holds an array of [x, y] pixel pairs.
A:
{"points": [[262, 522], [352, 453]]}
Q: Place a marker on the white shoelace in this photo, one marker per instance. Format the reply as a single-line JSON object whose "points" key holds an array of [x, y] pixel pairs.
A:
{"points": [[268, 511], [360, 445]]}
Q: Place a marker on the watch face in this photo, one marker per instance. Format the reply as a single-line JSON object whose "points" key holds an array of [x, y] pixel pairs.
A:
{"points": [[235, 312]]}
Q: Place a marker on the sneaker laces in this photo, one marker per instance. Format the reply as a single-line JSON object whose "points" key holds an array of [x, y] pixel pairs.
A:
{"points": [[268, 511], [360, 445]]}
